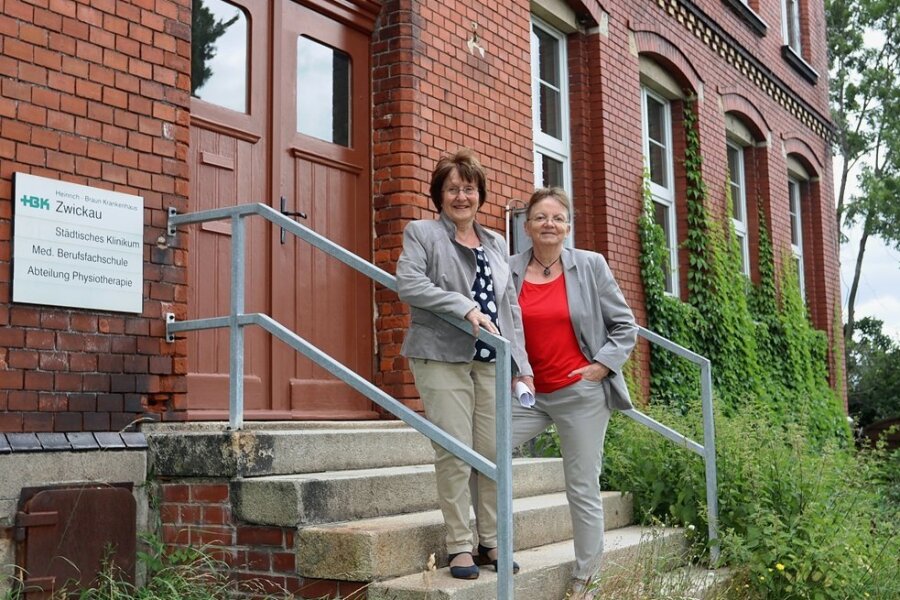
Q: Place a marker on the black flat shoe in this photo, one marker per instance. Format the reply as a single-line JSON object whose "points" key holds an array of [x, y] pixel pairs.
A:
{"points": [[483, 559], [470, 572]]}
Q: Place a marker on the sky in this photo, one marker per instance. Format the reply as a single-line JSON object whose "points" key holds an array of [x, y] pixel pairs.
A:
{"points": [[879, 286]]}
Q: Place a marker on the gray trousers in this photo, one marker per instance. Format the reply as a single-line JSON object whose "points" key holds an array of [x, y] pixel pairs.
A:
{"points": [[581, 415]]}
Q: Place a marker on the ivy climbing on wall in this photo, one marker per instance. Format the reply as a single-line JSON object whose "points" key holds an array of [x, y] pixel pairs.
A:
{"points": [[759, 338]]}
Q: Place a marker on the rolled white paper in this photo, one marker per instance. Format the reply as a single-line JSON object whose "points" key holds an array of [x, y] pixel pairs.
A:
{"points": [[526, 398]]}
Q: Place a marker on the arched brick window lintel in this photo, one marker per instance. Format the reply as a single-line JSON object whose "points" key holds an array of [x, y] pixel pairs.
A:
{"points": [[803, 152], [656, 46], [740, 106]]}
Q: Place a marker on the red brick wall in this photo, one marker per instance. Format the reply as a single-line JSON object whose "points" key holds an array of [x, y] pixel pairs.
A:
{"points": [[433, 96], [96, 93], [260, 559]]}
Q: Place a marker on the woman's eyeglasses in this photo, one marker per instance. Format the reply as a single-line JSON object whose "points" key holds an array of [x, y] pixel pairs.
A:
{"points": [[454, 191], [556, 219]]}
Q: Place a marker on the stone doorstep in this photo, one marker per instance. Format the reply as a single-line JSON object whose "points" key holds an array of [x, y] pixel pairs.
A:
{"points": [[545, 570], [291, 426], [252, 452], [372, 549], [291, 500]]}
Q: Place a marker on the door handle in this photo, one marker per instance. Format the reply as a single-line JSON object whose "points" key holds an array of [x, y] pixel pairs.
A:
{"points": [[287, 213]]}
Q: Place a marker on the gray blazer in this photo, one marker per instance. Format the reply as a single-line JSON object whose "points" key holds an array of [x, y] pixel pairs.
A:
{"points": [[436, 273], [604, 325]]}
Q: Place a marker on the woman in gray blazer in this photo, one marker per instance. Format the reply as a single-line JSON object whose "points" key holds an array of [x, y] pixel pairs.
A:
{"points": [[579, 332], [453, 265]]}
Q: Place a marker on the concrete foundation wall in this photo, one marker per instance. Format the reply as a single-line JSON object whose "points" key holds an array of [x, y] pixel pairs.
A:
{"points": [[24, 470]]}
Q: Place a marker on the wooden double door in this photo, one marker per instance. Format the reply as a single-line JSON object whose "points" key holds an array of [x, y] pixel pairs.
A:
{"points": [[296, 136]]}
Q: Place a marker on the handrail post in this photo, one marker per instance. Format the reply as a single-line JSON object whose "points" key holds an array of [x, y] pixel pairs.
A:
{"points": [[505, 589], [709, 459], [235, 329]]}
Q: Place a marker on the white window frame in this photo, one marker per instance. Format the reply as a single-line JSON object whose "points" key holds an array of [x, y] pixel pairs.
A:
{"points": [[558, 149], [796, 219], [663, 195], [738, 187], [790, 24]]}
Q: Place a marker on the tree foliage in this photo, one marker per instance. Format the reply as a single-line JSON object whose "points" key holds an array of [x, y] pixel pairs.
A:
{"points": [[873, 373], [864, 55], [205, 31]]}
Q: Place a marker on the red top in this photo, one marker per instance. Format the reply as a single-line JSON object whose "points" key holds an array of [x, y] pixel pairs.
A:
{"points": [[550, 340]]}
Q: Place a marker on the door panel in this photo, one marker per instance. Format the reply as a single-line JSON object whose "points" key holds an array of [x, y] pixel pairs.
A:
{"points": [[226, 171], [324, 173]]}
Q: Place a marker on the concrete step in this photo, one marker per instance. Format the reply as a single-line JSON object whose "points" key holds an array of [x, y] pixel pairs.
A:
{"points": [[210, 450], [289, 500], [371, 549], [545, 570]]}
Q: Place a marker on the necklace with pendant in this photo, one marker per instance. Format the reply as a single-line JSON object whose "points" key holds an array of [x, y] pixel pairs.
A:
{"points": [[546, 267]]}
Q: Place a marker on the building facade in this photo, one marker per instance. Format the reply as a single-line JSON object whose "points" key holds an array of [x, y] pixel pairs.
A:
{"points": [[339, 110]]}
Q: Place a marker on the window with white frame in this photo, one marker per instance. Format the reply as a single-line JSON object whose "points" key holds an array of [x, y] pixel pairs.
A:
{"points": [[796, 231], [738, 188], [658, 160], [550, 116], [790, 19]]}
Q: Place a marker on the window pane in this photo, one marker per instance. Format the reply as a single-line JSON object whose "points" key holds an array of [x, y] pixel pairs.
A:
{"points": [[742, 243], [657, 142], [548, 69], [551, 120], [657, 162], [735, 174], [323, 92], [219, 55], [661, 216], [552, 172], [656, 120], [793, 24], [794, 200]]}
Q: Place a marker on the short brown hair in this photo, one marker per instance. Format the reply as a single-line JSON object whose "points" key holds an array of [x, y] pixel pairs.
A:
{"points": [[469, 169], [557, 193]]}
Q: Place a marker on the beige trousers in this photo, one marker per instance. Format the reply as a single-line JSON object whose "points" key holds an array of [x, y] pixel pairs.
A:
{"points": [[460, 399], [581, 415]]}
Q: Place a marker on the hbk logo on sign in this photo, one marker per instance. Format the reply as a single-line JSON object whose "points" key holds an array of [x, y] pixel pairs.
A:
{"points": [[36, 202]]}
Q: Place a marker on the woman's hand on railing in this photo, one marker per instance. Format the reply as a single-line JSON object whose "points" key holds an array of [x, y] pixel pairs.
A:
{"points": [[478, 320]]}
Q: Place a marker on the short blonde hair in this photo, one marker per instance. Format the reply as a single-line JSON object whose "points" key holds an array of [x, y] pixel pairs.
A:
{"points": [[557, 193]]}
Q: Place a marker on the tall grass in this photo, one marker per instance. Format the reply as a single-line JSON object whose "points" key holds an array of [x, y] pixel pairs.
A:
{"points": [[798, 519]]}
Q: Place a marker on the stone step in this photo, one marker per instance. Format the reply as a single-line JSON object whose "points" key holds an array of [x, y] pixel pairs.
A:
{"points": [[290, 500], [376, 548], [210, 450], [545, 570]]}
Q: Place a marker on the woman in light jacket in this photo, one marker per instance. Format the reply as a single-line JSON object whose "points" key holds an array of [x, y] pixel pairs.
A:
{"points": [[453, 265], [579, 332]]}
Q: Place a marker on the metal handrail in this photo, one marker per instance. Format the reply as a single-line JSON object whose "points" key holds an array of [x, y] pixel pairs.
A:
{"points": [[500, 471], [708, 449]]}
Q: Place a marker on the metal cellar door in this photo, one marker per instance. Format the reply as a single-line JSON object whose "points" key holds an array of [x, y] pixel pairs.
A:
{"points": [[66, 535]]}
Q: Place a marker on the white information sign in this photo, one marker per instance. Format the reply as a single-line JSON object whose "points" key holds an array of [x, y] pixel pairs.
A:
{"points": [[77, 246]]}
